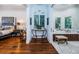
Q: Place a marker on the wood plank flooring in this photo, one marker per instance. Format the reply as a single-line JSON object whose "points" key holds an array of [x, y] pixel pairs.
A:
{"points": [[14, 45]]}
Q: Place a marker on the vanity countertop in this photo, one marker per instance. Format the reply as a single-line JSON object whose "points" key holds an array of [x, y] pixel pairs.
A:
{"points": [[63, 32]]}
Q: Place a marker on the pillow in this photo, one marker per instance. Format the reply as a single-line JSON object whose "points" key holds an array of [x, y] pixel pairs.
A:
{"points": [[6, 28]]}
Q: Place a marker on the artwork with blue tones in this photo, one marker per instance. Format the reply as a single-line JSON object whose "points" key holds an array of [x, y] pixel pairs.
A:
{"points": [[7, 21]]}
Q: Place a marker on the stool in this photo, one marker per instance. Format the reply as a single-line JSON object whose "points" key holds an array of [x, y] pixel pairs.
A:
{"points": [[61, 38]]}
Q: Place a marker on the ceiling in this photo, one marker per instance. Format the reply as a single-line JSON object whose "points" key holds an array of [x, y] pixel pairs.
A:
{"points": [[63, 6], [12, 6], [23, 6]]}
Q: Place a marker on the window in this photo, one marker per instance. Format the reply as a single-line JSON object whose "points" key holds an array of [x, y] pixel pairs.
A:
{"points": [[7, 21], [36, 20], [68, 23], [42, 20], [58, 23], [39, 21]]}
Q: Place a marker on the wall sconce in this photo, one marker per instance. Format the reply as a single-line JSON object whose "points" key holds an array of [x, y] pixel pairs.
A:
{"points": [[30, 20], [18, 23], [47, 21]]}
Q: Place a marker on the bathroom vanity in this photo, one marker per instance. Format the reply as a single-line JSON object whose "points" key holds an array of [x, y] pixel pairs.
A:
{"points": [[72, 36]]}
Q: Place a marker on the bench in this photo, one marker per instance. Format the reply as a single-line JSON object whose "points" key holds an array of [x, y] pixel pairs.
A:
{"points": [[61, 38]]}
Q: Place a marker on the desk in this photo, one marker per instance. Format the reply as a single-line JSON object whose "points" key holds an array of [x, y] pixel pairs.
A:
{"points": [[35, 33]]}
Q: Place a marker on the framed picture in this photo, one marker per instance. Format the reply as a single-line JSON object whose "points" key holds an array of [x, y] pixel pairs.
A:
{"points": [[8, 21]]}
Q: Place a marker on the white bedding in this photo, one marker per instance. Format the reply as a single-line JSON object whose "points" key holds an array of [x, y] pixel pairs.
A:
{"points": [[6, 31]]}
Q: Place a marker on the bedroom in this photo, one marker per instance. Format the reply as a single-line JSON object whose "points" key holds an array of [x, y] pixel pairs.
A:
{"points": [[33, 28], [10, 16]]}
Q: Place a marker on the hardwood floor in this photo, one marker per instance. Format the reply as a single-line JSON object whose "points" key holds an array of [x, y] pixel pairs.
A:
{"points": [[14, 45]]}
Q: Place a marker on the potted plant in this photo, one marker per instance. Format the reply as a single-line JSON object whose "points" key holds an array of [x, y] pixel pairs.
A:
{"points": [[38, 26]]}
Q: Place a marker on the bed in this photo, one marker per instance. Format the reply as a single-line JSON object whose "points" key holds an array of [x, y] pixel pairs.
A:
{"points": [[7, 26], [6, 31]]}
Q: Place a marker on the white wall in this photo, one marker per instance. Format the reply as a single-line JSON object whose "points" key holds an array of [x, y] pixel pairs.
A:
{"points": [[28, 30], [19, 14], [50, 26], [38, 10], [71, 11], [44, 10], [77, 14], [34, 10]]}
